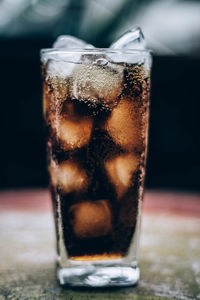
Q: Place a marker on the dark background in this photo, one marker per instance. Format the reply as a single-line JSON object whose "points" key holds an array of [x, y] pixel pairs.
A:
{"points": [[174, 143]]}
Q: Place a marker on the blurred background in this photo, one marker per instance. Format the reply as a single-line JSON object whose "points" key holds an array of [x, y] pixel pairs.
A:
{"points": [[172, 31]]}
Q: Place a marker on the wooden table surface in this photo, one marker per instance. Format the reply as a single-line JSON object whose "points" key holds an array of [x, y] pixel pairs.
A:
{"points": [[169, 252]]}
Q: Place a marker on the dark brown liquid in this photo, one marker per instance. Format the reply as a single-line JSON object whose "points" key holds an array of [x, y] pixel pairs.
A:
{"points": [[96, 155]]}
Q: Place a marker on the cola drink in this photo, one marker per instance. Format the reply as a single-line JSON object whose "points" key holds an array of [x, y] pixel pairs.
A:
{"points": [[96, 111]]}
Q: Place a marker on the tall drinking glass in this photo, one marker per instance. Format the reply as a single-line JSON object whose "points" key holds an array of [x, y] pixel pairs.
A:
{"points": [[96, 109]]}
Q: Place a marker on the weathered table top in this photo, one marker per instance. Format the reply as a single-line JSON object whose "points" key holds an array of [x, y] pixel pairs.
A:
{"points": [[169, 252]]}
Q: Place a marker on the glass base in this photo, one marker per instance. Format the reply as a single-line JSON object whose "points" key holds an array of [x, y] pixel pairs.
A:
{"points": [[98, 276]]}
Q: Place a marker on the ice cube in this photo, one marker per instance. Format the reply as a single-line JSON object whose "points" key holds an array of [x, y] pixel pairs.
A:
{"points": [[62, 64], [71, 42], [68, 176], [91, 219], [74, 134], [97, 81], [120, 170], [60, 68], [132, 39], [72, 130], [123, 125]]}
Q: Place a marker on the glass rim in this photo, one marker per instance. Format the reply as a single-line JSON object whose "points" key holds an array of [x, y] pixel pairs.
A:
{"points": [[63, 51]]}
